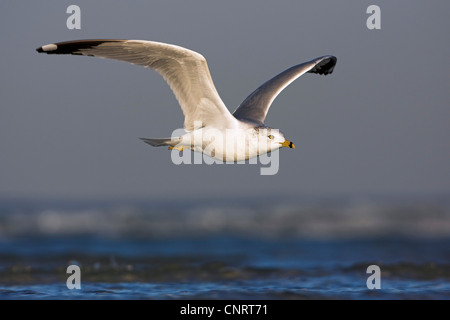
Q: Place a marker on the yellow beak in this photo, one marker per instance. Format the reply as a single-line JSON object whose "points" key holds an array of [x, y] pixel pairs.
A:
{"points": [[287, 144]]}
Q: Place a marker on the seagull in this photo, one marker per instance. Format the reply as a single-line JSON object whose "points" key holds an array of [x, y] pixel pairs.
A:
{"points": [[209, 126]]}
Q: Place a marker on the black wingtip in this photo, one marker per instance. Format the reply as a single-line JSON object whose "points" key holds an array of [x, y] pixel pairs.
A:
{"points": [[325, 66], [73, 47]]}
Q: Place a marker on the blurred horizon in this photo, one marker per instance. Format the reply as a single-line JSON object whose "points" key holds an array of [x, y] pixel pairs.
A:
{"points": [[308, 217]]}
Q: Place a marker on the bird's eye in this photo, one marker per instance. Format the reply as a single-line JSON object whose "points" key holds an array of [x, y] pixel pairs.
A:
{"points": [[270, 137]]}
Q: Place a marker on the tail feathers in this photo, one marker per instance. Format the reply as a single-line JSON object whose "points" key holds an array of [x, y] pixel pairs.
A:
{"points": [[158, 142]]}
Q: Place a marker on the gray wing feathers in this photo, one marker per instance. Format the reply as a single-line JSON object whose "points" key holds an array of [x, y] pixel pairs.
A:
{"points": [[188, 76], [257, 104], [184, 70]]}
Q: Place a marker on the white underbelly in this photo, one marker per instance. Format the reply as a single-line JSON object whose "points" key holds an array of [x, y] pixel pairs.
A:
{"points": [[231, 146]]}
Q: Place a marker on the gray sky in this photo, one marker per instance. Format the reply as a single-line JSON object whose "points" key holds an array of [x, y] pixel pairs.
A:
{"points": [[69, 126]]}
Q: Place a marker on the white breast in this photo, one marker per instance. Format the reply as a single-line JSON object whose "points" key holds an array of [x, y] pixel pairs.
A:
{"points": [[229, 145]]}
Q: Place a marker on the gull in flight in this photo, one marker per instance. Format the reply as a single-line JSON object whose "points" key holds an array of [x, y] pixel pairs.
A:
{"points": [[210, 127]]}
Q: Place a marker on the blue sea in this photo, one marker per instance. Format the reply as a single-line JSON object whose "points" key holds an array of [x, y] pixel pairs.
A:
{"points": [[303, 248]]}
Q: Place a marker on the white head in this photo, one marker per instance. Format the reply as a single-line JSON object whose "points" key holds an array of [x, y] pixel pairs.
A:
{"points": [[269, 139]]}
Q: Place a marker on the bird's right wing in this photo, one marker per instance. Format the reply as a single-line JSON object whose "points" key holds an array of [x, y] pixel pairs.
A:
{"points": [[257, 104], [184, 70]]}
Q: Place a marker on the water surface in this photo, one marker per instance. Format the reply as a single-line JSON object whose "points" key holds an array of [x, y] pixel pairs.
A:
{"points": [[314, 251]]}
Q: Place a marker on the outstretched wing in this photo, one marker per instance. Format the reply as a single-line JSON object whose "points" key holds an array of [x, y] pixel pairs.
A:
{"points": [[185, 71], [257, 104]]}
